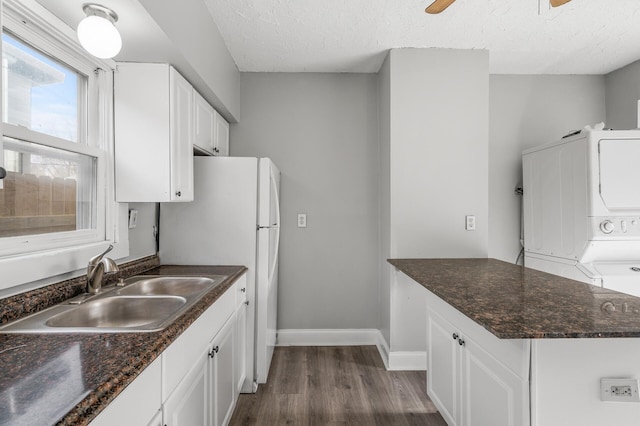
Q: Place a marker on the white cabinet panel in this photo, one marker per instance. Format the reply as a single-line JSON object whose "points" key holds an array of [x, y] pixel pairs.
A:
{"points": [[204, 126], [466, 381], [221, 374], [221, 147], [178, 358], [153, 134], [493, 394], [181, 137], [443, 367], [138, 403], [189, 402], [241, 347]]}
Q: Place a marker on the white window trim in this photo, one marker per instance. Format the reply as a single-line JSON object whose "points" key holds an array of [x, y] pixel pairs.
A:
{"points": [[43, 26]]}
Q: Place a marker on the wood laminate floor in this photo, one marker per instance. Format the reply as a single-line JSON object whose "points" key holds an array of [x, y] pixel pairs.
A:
{"points": [[345, 385]]}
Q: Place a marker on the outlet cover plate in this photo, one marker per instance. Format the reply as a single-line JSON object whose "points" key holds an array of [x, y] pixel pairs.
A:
{"points": [[619, 390]]}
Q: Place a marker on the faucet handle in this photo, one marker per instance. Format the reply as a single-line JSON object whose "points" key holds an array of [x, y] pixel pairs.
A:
{"points": [[95, 259]]}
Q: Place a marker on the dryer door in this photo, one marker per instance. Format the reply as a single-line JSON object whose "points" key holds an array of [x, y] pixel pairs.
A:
{"points": [[620, 173]]}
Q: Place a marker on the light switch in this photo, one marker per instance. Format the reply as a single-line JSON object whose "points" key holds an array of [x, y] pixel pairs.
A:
{"points": [[302, 220]]}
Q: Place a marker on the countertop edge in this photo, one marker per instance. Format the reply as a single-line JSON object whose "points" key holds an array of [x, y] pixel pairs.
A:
{"points": [[400, 265]]}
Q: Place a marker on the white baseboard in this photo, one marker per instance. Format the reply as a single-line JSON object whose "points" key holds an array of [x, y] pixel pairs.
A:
{"points": [[407, 361], [396, 361], [336, 337]]}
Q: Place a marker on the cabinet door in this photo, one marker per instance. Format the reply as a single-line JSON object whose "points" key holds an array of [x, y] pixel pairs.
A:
{"points": [[494, 395], [221, 374], [221, 136], [189, 402], [443, 381], [181, 138], [204, 127], [241, 347]]}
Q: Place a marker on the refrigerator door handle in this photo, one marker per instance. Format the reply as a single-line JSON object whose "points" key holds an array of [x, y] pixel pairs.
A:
{"points": [[277, 225], [275, 191]]}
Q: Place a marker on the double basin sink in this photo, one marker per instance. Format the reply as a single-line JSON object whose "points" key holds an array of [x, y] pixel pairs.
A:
{"points": [[145, 303]]}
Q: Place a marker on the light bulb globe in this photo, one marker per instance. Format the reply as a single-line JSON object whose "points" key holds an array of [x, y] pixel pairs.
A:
{"points": [[99, 37]]}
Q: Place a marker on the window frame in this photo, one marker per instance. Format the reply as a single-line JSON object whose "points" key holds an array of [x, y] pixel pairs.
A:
{"points": [[26, 259]]}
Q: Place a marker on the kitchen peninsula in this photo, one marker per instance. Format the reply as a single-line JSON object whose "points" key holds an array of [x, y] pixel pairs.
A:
{"points": [[508, 345]]}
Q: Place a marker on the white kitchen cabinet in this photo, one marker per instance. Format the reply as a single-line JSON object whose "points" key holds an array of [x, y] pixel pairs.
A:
{"points": [[221, 374], [189, 402], [204, 125], [467, 383], [221, 142], [240, 369], [153, 134], [443, 368], [138, 403]]}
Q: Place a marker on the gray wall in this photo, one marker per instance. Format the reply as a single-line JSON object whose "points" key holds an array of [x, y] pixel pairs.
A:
{"points": [[623, 93], [438, 170], [321, 131], [207, 63], [525, 111], [384, 128]]}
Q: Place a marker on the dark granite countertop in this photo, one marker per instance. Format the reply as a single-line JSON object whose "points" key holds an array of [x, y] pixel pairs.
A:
{"points": [[514, 302], [67, 379]]}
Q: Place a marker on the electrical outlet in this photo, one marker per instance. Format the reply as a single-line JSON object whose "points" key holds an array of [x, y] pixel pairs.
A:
{"points": [[133, 218], [470, 224], [302, 220], [619, 390]]}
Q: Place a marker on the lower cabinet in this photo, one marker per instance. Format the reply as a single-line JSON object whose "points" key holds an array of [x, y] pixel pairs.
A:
{"points": [[189, 402], [197, 379], [241, 347], [220, 374], [466, 382]]}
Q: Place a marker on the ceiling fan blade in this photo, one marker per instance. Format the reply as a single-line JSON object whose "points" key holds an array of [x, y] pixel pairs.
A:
{"points": [[440, 5], [556, 3]]}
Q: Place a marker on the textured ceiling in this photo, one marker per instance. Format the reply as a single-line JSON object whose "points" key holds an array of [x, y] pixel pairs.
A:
{"points": [[522, 36]]}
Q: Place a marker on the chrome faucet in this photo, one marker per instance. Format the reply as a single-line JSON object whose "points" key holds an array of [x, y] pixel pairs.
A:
{"points": [[96, 269]]}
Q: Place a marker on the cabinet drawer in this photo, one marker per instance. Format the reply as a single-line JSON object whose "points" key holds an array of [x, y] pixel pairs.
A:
{"points": [[182, 354]]}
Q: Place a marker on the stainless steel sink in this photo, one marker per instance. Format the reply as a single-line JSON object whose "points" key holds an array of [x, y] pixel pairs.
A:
{"points": [[145, 303], [119, 312], [177, 286]]}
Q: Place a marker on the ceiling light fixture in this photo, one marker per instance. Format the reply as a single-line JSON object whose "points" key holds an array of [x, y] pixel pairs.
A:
{"points": [[97, 32]]}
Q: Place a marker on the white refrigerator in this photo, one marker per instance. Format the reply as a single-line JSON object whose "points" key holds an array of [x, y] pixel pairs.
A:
{"points": [[233, 220]]}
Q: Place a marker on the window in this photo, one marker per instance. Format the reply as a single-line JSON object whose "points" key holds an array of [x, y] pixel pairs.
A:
{"points": [[47, 189], [56, 203]]}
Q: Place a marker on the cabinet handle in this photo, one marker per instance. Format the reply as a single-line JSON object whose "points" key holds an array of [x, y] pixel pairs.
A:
{"points": [[243, 289], [178, 193], [461, 342], [455, 336], [246, 303], [216, 150], [214, 351]]}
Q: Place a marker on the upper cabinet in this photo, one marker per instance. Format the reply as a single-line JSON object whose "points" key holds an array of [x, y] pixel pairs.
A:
{"points": [[204, 126], [160, 120], [211, 129], [221, 141], [153, 134]]}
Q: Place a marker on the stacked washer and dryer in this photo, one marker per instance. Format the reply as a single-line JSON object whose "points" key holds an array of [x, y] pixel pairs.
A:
{"points": [[582, 208]]}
